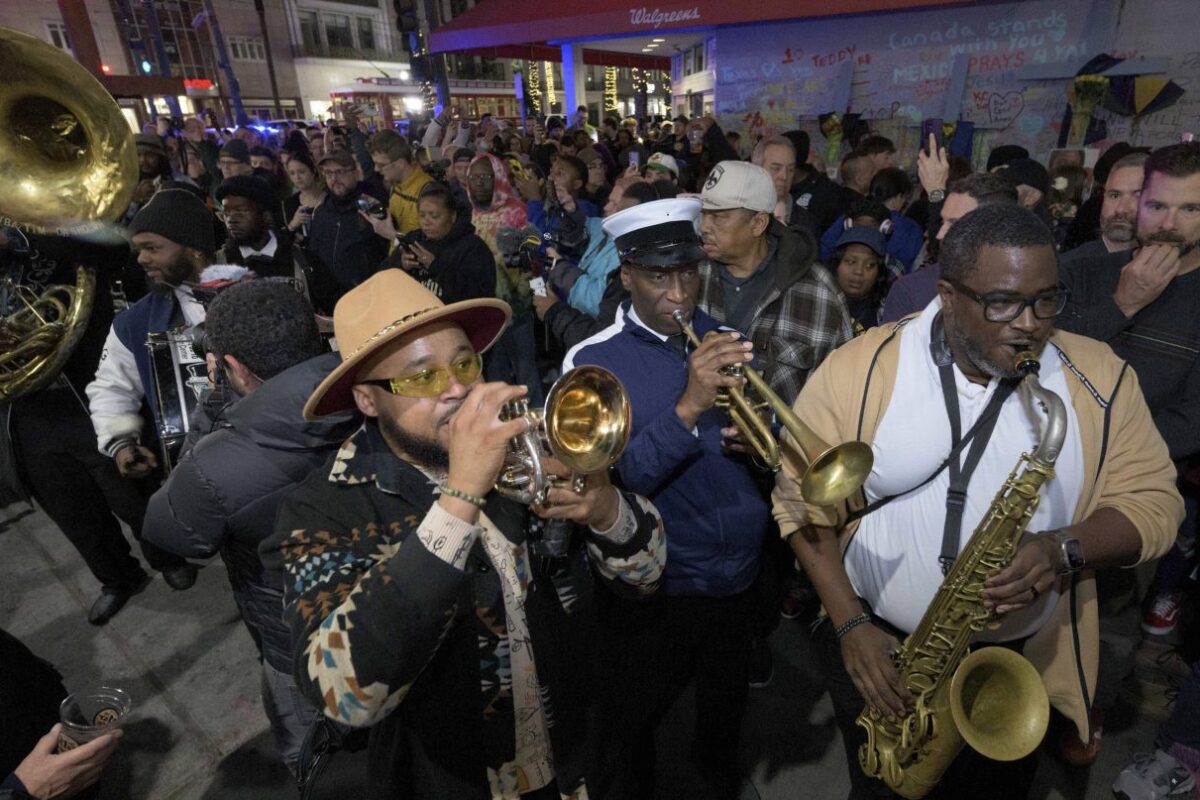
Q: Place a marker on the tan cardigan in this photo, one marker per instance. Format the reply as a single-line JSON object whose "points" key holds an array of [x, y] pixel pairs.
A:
{"points": [[1127, 469]]}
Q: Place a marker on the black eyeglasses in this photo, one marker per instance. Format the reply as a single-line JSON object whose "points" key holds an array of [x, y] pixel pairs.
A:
{"points": [[1006, 306]]}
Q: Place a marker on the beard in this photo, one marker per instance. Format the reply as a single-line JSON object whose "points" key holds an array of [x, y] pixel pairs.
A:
{"points": [[172, 275], [1171, 238], [1119, 228], [420, 450]]}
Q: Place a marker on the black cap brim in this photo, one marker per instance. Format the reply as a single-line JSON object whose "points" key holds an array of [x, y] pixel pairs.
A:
{"points": [[671, 256]]}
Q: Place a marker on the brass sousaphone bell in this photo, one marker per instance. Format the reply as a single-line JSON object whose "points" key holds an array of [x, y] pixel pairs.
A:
{"points": [[68, 164], [585, 424]]}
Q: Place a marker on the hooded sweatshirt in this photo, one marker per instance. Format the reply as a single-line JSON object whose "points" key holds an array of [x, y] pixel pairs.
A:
{"points": [[505, 211], [463, 267]]}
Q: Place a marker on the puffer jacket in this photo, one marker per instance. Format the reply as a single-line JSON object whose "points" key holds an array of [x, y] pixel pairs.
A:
{"points": [[223, 495]]}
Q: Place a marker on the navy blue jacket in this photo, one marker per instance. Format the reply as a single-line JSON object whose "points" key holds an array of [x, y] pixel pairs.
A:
{"points": [[713, 512]]}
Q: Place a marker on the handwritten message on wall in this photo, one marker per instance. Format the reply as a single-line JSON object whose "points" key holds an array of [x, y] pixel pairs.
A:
{"points": [[770, 77]]}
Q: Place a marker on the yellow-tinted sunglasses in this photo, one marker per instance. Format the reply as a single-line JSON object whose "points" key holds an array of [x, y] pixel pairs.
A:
{"points": [[432, 381]]}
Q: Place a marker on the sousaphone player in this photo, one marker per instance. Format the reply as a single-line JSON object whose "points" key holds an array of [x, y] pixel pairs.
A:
{"points": [[56, 256]]}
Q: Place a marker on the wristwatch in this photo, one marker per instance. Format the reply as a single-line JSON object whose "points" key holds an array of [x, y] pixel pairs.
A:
{"points": [[1071, 558], [937, 195]]}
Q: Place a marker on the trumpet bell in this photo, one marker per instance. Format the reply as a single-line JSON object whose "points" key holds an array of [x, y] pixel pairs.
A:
{"points": [[67, 156], [587, 419], [837, 473]]}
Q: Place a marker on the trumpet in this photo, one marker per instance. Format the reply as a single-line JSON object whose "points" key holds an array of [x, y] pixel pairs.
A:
{"points": [[585, 424], [832, 473]]}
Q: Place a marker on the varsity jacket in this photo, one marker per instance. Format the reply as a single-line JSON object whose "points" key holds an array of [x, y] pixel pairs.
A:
{"points": [[1125, 467], [800, 319], [123, 379]]}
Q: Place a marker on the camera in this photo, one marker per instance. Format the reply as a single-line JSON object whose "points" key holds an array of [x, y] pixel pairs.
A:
{"points": [[371, 206]]}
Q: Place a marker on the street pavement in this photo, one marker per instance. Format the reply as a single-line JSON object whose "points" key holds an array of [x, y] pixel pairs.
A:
{"points": [[198, 731]]}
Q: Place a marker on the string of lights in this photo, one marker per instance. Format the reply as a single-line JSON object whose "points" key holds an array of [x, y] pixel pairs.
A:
{"points": [[551, 94], [610, 89], [535, 87]]}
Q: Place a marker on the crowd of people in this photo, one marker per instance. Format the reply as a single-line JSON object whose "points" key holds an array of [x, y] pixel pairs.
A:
{"points": [[370, 306]]}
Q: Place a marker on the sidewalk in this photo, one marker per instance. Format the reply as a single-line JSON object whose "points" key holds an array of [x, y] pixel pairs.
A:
{"points": [[199, 731]]}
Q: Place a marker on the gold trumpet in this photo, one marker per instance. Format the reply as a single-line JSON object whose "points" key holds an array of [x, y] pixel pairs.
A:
{"points": [[585, 424], [832, 473]]}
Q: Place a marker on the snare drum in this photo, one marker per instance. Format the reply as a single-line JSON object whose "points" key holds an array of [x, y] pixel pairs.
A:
{"points": [[180, 377]]}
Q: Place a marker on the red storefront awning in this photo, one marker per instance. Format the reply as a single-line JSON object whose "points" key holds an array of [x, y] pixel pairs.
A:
{"points": [[498, 23], [545, 52]]}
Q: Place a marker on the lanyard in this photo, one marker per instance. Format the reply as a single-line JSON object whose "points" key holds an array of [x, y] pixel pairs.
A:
{"points": [[981, 431], [977, 437]]}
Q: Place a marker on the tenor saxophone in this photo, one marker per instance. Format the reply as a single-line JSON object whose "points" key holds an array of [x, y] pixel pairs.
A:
{"points": [[992, 699]]}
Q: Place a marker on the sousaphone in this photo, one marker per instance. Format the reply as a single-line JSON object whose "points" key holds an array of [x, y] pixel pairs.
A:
{"points": [[68, 165]]}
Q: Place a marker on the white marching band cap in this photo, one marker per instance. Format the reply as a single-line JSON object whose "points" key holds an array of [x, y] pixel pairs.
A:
{"points": [[660, 234]]}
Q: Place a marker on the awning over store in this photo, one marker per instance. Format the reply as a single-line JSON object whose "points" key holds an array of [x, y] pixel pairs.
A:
{"points": [[544, 52], [497, 23]]}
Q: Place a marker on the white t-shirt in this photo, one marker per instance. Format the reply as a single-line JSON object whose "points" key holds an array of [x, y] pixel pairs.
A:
{"points": [[892, 560]]}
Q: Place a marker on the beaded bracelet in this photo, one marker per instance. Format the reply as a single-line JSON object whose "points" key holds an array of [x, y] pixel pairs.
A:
{"points": [[851, 624], [478, 502]]}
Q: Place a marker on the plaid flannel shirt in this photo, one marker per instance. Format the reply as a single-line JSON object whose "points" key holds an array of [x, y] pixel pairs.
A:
{"points": [[801, 319]]}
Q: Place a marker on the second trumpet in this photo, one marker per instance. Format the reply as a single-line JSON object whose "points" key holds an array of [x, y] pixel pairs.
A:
{"points": [[831, 473]]}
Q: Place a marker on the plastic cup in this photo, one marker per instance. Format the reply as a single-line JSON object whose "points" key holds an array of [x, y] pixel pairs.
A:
{"points": [[89, 714]]}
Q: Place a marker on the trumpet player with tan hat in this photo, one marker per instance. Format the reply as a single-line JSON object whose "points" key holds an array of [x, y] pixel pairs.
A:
{"points": [[426, 609]]}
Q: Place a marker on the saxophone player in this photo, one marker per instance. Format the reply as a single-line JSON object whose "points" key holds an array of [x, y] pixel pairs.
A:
{"points": [[933, 395]]}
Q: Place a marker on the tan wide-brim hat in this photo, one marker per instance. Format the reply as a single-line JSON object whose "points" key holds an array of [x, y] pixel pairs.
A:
{"points": [[383, 308]]}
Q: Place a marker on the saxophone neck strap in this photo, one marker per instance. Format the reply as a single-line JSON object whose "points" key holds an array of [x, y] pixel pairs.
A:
{"points": [[979, 435]]}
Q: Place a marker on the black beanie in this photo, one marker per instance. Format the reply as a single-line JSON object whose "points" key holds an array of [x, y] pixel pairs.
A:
{"points": [[180, 216]]}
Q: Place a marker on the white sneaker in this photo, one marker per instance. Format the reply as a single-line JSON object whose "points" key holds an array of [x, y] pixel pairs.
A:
{"points": [[1153, 777]]}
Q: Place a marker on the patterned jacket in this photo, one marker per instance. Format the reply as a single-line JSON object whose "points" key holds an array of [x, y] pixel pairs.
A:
{"points": [[801, 319], [400, 623]]}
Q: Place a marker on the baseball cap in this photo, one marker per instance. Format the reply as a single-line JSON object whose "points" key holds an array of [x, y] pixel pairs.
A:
{"points": [[342, 158], [738, 184], [864, 235], [663, 162]]}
